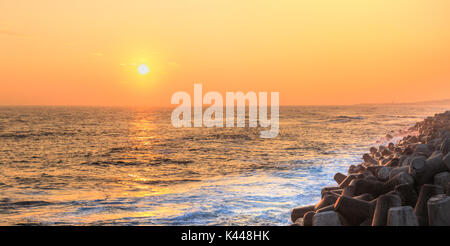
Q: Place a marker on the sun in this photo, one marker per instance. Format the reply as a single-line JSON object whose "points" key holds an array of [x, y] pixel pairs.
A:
{"points": [[143, 69]]}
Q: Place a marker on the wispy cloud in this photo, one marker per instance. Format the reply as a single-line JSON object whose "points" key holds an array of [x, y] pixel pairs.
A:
{"points": [[133, 64], [13, 34], [97, 54]]}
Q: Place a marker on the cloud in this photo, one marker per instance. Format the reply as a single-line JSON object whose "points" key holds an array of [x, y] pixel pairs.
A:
{"points": [[97, 54], [13, 34], [128, 65]]}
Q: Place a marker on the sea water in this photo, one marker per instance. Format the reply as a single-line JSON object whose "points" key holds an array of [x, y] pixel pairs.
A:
{"points": [[130, 166]]}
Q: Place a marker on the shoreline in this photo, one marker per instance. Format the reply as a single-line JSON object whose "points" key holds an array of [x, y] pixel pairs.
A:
{"points": [[402, 184]]}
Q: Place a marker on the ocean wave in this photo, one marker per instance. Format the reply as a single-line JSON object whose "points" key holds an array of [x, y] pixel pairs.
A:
{"points": [[167, 182], [407, 117], [19, 135], [291, 148], [119, 149], [344, 118], [394, 137], [156, 161], [5, 204], [231, 136], [196, 215], [114, 163], [171, 161]]}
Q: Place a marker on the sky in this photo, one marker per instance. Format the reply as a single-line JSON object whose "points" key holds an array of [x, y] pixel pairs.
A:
{"points": [[317, 52]]}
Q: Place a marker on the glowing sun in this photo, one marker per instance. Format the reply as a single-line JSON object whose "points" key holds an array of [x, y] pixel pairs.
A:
{"points": [[143, 69]]}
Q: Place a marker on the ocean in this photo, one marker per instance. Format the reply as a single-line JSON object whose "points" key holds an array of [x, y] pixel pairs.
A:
{"points": [[130, 166]]}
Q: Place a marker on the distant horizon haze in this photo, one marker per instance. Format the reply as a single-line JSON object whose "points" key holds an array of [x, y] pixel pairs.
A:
{"points": [[439, 101]]}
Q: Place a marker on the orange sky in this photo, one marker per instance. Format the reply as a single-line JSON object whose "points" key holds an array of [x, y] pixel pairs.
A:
{"points": [[313, 52]]}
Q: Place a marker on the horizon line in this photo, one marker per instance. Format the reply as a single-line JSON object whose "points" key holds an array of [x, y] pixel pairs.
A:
{"points": [[444, 101]]}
